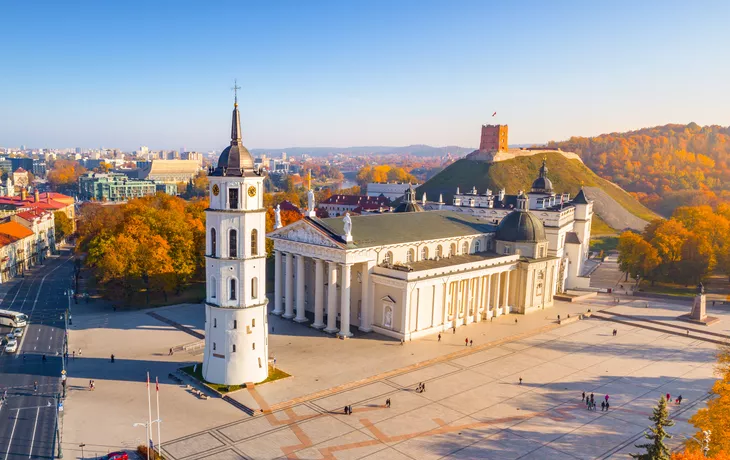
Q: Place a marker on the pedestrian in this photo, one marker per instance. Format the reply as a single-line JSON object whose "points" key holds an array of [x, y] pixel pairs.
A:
{"points": [[515, 320], [423, 388], [583, 396], [520, 380], [466, 341], [454, 329], [471, 343], [558, 317], [592, 398], [345, 410], [606, 398], [607, 405], [73, 355], [439, 336], [603, 406], [669, 397], [112, 357], [170, 354], [679, 399], [387, 402], [35, 385], [79, 351], [588, 404], [402, 342]]}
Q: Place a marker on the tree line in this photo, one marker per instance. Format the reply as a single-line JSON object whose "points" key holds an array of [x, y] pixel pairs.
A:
{"points": [[665, 166], [684, 249]]}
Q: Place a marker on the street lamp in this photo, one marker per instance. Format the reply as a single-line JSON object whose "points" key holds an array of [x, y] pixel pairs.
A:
{"points": [[82, 445], [148, 429]]}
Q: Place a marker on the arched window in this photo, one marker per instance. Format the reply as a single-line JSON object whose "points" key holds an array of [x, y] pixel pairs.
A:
{"points": [[232, 243], [477, 246], [465, 248], [254, 242], [452, 250], [410, 256], [234, 348], [213, 243], [254, 288], [388, 259], [424, 253], [439, 251], [232, 289], [213, 287]]}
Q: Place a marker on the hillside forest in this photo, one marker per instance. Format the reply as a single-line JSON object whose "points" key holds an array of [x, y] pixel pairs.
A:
{"points": [[665, 166]]}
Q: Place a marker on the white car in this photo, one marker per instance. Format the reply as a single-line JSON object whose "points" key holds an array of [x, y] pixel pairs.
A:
{"points": [[10, 336], [12, 346], [18, 332]]}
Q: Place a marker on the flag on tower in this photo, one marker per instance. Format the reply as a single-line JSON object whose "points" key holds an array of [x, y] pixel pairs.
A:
{"points": [[495, 113]]}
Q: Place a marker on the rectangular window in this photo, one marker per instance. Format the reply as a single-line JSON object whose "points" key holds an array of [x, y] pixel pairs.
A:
{"points": [[233, 198], [253, 346], [253, 322]]}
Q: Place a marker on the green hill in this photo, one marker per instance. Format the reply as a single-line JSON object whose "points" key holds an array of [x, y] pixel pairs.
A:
{"points": [[567, 175]]}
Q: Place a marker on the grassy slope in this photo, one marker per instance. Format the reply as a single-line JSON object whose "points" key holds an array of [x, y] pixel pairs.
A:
{"points": [[518, 174]]}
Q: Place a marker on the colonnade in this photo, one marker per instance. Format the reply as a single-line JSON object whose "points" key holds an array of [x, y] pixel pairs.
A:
{"points": [[477, 298], [284, 303]]}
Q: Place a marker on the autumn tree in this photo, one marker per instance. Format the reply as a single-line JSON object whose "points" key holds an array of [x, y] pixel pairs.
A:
{"points": [[62, 225], [637, 256], [716, 415], [655, 449], [64, 174]]}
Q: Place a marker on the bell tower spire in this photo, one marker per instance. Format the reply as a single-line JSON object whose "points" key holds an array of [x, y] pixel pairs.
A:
{"points": [[236, 121]]}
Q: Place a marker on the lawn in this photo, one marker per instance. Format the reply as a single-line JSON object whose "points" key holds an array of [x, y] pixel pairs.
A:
{"points": [[193, 292], [668, 289], [196, 371], [604, 243]]}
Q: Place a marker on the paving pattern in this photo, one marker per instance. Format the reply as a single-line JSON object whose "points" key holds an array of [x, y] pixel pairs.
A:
{"points": [[475, 407]]}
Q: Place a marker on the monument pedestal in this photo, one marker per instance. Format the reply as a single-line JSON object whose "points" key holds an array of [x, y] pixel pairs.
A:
{"points": [[698, 314]]}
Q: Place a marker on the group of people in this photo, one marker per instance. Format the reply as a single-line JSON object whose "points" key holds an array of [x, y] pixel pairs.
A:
{"points": [[92, 385], [421, 387], [348, 410], [468, 342], [677, 401], [591, 402]]}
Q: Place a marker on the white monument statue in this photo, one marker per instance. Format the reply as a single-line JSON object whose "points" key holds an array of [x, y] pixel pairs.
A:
{"points": [[277, 217], [347, 227], [310, 204], [423, 199]]}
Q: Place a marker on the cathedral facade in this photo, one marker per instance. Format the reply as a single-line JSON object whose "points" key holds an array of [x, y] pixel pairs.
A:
{"points": [[417, 272]]}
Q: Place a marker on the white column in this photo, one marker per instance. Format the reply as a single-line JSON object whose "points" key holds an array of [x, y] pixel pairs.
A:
{"points": [[332, 298], [366, 319], [278, 307], [478, 300], [488, 297], [345, 302], [289, 287], [455, 301], [497, 294], [301, 317], [318, 294], [506, 289]]}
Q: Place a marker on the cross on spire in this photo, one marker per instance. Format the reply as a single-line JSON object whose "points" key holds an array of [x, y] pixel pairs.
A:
{"points": [[235, 91]]}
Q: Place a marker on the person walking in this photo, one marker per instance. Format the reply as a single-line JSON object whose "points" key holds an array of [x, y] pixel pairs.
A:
{"points": [[454, 329], [679, 399], [170, 354], [471, 343], [387, 402], [73, 355], [520, 380], [345, 410], [423, 388], [607, 406], [439, 336], [35, 385], [515, 321], [466, 342], [112, 357], [583, 396], [606, 398], [603, 406]]}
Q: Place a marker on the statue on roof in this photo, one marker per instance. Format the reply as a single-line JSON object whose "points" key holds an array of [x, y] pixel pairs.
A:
{"points": [[277, 217], [347, 221]]}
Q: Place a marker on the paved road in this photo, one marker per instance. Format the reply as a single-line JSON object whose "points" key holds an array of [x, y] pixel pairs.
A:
{"points": [[28, 416]]}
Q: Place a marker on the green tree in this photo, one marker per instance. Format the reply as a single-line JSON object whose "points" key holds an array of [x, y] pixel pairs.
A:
{"points": [[63, 226], [655, 448]]}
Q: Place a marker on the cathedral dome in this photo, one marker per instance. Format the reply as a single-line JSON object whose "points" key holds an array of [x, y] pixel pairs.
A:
{"points": [[542, 184], [521, 226]]}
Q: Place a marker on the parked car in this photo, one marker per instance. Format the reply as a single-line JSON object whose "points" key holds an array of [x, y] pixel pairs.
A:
{"points": [[18, 332], [10, 336], [12, 346], [117, 456]]}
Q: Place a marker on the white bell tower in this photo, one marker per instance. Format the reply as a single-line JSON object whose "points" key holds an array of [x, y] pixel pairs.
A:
{"points": [[236, 325]]}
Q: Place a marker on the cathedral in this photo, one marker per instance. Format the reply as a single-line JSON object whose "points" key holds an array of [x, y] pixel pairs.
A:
{"points": [[428, 267]]}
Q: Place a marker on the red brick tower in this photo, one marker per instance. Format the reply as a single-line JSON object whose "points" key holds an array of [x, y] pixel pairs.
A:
{"points": [[494, 138]]}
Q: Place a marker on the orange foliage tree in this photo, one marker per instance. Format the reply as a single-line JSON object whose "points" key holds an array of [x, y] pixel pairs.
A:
{"points": [[64, 174]]}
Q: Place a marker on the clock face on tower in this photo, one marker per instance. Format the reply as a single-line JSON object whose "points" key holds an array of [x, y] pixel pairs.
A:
{"points": [[252, 191], [216, 189]]}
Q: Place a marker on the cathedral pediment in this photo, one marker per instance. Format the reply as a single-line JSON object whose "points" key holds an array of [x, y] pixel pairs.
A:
{"points": [[302, 232]]}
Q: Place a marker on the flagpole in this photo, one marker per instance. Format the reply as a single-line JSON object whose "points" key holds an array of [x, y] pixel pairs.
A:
{"points": [[159, 420], [149, 415]]}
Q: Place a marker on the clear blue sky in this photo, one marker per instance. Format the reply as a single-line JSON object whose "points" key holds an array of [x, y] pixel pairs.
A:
{"points": [[346, 73]]}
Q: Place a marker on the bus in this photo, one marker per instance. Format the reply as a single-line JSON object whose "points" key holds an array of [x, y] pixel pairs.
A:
{"points": [[13, 318]]}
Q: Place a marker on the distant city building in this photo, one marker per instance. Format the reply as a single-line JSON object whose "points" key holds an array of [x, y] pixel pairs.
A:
{"points": [[338, 205], [494, 138], [37, 167], [117, 187], [169, 171], [21, 178], [391, 191]]}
